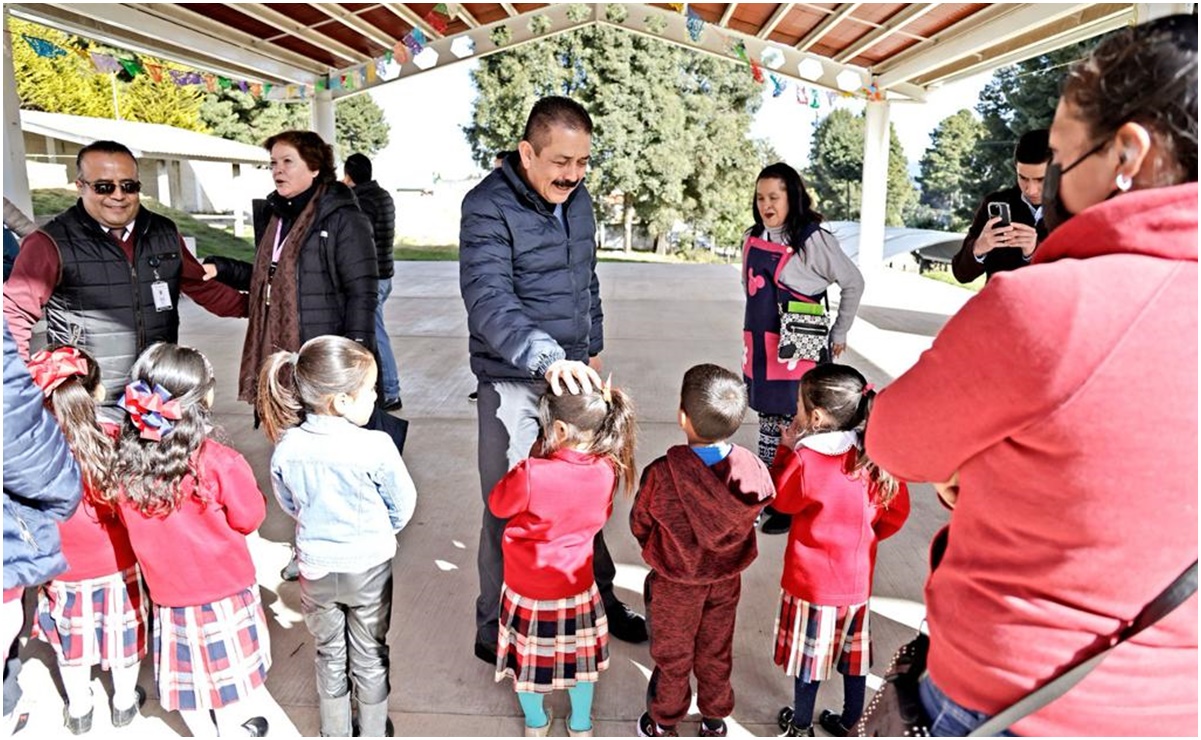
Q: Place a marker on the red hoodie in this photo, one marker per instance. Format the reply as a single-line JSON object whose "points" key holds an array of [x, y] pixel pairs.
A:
{"points": [[836, 519], [696, 523], [1065, 395]]}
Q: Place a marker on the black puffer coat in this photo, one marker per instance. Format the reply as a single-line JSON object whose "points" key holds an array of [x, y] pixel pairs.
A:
{"points": [[378, 205], [337, 279], [530, 286]]}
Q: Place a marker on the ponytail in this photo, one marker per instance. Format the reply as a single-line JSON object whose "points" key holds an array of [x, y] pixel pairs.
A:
{"points": [[68, 377], [617, 436], [885, 485], [278, 403]]}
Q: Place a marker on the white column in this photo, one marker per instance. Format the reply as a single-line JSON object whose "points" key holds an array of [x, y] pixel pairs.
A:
{"points": [[1144, 12], [16, 179], [323, 115], [875, 187], [163, 174]]}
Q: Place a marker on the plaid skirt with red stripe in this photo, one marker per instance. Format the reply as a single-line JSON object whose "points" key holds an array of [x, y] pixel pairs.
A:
{"points": [[551, 644], [98, 621], [209, 656], [809, 636]]}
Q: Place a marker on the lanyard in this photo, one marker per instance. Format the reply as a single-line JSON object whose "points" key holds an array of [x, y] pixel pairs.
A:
{"points": [[276, 250]]}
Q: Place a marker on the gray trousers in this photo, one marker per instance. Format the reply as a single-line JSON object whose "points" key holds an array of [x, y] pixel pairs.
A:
{"points": [[508, 418], [348, 615]]}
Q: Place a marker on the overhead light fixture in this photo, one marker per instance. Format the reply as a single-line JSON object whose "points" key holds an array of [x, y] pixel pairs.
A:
{"points": [[463, 47], [810, 69], [772, 58], [849, 80], [426, 58]]}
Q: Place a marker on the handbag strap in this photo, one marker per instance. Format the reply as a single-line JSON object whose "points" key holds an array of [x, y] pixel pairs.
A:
{"points": [[1173, 596]]}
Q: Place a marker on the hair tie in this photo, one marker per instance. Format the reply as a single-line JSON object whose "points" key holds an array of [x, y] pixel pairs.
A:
{"points": [[868, 387], [150, 410], [52, 369]]}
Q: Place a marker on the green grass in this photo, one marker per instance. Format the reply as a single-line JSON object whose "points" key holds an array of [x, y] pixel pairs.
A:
{"points": [[947, 277], [209, 240]]}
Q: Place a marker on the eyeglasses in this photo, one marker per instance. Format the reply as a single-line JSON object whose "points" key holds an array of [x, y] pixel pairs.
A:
{"points": [[106, 187]]}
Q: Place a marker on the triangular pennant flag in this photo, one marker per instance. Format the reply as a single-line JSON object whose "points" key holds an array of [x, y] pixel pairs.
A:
{"points": [[85, 56], [256, 89], [210, 82], [802, 97], [756, 72], [696, 26], [105, 63], [132, 66], [243, 85], [224, 83], [155, 71], [779, 85], [44, 48]]}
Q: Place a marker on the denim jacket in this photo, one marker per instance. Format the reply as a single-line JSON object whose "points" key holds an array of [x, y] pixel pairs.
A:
{"points": [[348, 490]]}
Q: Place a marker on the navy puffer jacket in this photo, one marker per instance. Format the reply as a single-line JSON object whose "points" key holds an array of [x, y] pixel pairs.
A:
{"points": [[530, 287], [41, 479]]}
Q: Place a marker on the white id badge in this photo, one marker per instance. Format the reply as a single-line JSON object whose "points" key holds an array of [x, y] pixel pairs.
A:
{"points": [[162, 296]]}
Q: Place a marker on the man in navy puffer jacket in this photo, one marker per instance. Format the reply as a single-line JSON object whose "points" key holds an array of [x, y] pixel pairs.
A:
{"points": [[41, 488], [527, 272]]}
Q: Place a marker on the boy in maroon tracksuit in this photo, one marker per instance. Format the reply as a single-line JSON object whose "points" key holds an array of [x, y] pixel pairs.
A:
{"points": [[695, 519]]}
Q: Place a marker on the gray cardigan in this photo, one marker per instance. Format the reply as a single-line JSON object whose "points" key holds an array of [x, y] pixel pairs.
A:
{"points": [[818, 265]]}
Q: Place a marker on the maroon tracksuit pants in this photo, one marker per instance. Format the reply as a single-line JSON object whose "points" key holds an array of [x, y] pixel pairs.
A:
{"points": [[691, 631]]}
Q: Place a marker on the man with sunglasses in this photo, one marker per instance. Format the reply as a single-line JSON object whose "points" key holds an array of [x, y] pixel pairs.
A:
{"points": [[106, 273]]}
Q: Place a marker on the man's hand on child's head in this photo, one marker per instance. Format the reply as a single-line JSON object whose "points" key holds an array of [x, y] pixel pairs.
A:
{"points": [[575, 375]]}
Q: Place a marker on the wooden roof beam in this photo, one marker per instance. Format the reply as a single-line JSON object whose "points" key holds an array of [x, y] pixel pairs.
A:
{"points": [[727, 14], [281, 22], [837, 16], [903, 18], [781, 11], [356, 24], [401, 11]]}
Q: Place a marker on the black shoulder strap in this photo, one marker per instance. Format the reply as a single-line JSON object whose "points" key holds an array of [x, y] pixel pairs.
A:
{"points": [[1173, 596]]}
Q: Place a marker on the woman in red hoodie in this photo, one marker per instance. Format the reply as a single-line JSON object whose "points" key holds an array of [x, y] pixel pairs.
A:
{"points": [[1061, 406], [841, 504]]}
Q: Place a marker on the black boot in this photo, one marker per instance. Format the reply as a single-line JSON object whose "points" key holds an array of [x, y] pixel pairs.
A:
{"points": [[625, 624], [774, 522]]}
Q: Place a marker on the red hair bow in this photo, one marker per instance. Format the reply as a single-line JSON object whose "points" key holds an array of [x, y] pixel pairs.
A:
{"points": [[151, 411], [52, 369]]}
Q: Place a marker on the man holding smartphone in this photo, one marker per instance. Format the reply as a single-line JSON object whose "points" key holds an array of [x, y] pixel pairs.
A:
{"points": [[995, 243]]}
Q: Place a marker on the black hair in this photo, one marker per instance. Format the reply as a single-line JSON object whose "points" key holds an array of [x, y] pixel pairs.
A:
{"points": [[1034, 147], [800, 205], [843, 394], [106, 147], [714, 399], [1146, 74], [554, 110], [607, 427], [358, 168]]}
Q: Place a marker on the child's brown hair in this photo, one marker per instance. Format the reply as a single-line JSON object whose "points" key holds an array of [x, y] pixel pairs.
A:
{"points": [[606, 420]]}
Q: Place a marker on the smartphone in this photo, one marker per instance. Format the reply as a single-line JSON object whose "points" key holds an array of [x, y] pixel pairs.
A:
{"points": [[1000, 210]]}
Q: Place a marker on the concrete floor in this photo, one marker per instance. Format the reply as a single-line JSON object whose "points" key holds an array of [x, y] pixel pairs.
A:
{"points": [[661, 319]]}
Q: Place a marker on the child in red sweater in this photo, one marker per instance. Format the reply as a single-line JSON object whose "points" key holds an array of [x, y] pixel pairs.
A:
{"points": [[553, 631], [188, 503], [95, 613], [843, 505], [695, 519]]}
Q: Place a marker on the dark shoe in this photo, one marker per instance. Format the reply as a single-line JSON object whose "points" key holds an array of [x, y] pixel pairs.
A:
{"points": [[389, 730], [473, 396], [486, 653], [122, 717], [393, 404], [647, 727], [625, 624], [784, 718], [291, 571], [78, 725], [255, 726], [832, 723], [713, 727], [776, 523], [794, 731]]}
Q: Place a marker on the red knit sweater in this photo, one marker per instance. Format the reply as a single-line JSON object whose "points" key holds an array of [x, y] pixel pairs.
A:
{"points": [[836, 521], [1065, 395], [197, 554], [696, 523], [555, 506], [95, 542]]}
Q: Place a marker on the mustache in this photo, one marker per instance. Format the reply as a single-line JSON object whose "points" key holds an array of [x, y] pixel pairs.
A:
{"points": [[570, 184]]}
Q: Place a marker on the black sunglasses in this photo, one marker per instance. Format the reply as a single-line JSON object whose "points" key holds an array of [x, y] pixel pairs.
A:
{"points": [[105, 187]]}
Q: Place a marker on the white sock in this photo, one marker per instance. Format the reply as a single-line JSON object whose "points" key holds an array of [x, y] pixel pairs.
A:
{"points": [[199, 722], [125, 681], [77, 682]]}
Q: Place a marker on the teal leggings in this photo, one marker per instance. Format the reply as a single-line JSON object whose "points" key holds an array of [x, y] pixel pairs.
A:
{"points": [[581, 707]]}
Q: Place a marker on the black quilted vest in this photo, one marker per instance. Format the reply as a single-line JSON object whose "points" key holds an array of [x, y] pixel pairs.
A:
{"points": [[103, 303]]}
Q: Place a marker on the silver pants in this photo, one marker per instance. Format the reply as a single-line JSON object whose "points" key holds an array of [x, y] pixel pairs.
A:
{"points": [[348, 615]]}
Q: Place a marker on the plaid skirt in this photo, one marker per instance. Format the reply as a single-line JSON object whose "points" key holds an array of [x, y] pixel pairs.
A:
{"points": [[551, 644], [808, 636], [98, 621], [209, 656]]}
